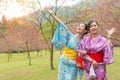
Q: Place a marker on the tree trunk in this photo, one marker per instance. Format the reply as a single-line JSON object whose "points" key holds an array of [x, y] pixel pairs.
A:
{"points": [[51, 58], [51, 51], [29, 57], [8, 57], [37, 52], [28, 53]]}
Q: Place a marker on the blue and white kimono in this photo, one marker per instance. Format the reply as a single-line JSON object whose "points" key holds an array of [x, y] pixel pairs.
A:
{"points": [[63, 38]]}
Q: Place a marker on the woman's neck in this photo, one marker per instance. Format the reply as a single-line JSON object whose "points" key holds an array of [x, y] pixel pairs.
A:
{"points": [[80, 36], [94, 36]]}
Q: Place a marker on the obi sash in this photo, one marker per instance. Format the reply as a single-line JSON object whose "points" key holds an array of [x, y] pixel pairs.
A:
{"points": [[80, 62], [98, 56], [70, 54]]}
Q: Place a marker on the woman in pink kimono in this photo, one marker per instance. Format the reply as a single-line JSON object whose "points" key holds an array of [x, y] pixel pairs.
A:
{"points": [[99, 52]]}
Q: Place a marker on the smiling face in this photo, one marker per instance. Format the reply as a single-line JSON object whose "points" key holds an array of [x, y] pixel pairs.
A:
{"points": [[93, 28], [81, 28]]}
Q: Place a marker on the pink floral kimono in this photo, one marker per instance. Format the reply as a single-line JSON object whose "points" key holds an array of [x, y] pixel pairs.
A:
{"points": [[100, 51]]}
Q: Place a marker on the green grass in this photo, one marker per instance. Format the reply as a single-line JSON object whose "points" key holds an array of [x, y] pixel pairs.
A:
{"points": [[18, 68], [113, 70]]}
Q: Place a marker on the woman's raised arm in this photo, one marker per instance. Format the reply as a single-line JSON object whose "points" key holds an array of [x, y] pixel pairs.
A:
{"points": [[109, 33], [51, 13]]}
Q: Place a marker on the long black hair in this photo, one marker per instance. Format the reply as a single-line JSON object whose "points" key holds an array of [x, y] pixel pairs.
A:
{"points": [[86, 28]]}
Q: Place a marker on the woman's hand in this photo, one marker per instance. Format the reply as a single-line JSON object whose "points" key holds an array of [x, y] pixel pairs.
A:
{"points": [[94, 63], [51, 13], [110, 32], [83, 52], [49, 10]]}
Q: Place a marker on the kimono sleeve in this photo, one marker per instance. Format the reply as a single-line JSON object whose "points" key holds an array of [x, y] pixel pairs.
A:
{"points": [[108, 54], [82, 48], [61, 36]]}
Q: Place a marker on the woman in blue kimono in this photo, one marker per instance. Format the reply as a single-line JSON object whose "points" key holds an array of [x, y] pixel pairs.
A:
{"points": [[63, 38]]}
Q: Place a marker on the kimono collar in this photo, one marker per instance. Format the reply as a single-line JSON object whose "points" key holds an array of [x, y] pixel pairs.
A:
{"points": [[77, 35], [95, 38]]}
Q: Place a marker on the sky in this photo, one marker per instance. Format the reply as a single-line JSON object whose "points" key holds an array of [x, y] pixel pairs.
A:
{"points": [[11, 8]]}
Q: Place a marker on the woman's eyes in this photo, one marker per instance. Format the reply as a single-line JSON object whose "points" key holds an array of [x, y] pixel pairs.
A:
{"points": [[92, 25]]}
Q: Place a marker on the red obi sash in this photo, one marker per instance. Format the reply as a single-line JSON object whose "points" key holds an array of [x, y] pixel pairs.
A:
{"points": [[80, 63], [98, 56]]}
